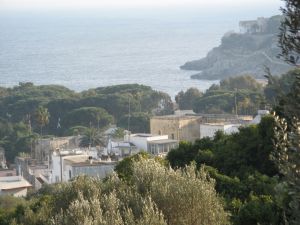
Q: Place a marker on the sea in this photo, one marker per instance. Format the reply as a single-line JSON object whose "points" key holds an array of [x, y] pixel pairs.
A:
{"points": [[83, 50]]}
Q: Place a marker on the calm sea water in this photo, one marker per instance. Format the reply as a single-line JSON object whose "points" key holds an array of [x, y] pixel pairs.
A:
{"points": [[82, 51]]}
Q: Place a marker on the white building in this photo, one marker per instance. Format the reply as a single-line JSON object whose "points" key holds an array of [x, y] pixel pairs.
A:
{"points": [[35, 173], [121, 148], [2, 159], [14, 185], [209, 129], [260, 114], [153, 144], [69, 164]]}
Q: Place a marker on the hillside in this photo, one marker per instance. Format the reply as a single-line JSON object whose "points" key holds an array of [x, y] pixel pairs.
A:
{"points": [[247, 52]]}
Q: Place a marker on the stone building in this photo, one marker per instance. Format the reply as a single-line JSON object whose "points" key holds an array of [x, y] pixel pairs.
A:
{"points": [[187, 127], [177, 127], [43, 148]]}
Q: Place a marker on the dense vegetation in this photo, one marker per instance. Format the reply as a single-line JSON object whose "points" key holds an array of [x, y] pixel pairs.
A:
{"points": [[27, 110], [257, 169], [242, 95], [240, 163], [155, 195], [22, 102]]}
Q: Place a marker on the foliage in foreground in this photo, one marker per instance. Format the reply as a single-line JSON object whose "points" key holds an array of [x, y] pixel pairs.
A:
{"points": [[156, 195], [245, 175], [287, 154]]}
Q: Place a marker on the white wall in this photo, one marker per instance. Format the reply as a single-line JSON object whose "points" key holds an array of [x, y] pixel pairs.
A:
{"points": [[141, 142], [98, 170], [56, 169], [209, 130], [232, 128]]}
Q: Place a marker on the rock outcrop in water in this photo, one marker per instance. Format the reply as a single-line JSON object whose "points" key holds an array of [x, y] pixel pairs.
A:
{"points": [[248, 52]]}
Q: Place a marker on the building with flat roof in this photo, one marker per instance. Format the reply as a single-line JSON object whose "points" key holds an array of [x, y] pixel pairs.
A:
{"points": [[209, 129], [154, 144], [177, 127], [35, 173], [14, 185], [253, 26], [7, 172], [43, 148], [121, 148], [161, 147], [67, 165], [184, 126]]}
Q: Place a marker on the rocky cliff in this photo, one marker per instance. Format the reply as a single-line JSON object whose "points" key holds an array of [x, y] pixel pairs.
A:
{"points": [[242, 53]]}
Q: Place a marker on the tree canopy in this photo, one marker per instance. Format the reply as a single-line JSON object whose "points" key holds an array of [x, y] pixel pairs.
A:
{"points": [[156, 195]]}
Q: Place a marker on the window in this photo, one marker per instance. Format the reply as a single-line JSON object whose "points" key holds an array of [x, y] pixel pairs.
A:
{"points": [[173, 136], [70, 174]]}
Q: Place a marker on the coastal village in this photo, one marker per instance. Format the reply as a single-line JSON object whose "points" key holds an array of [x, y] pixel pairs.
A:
{"points": [[223, 150], [59, 159]]}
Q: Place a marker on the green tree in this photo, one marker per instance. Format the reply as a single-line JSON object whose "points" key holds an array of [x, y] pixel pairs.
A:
{"points": [[87, 116], [287, 133], [91, 138], [185, 100], [42, 117], [240, 82], [289, 37], [138, 123], [287, 157], [184, 196], [156, 195]]}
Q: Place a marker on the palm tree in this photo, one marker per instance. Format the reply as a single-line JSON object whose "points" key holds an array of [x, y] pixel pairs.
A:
{"points": [[91, 138], [42, 117]]}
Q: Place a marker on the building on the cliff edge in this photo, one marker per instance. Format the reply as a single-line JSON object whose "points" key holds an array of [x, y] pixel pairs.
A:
{"points": [[253, 26]]}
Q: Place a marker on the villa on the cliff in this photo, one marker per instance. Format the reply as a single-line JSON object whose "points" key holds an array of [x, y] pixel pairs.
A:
{"points": [[253, 26]]}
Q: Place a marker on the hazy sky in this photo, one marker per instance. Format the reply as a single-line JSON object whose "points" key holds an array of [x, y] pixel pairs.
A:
{"points": [[80, 4]]}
